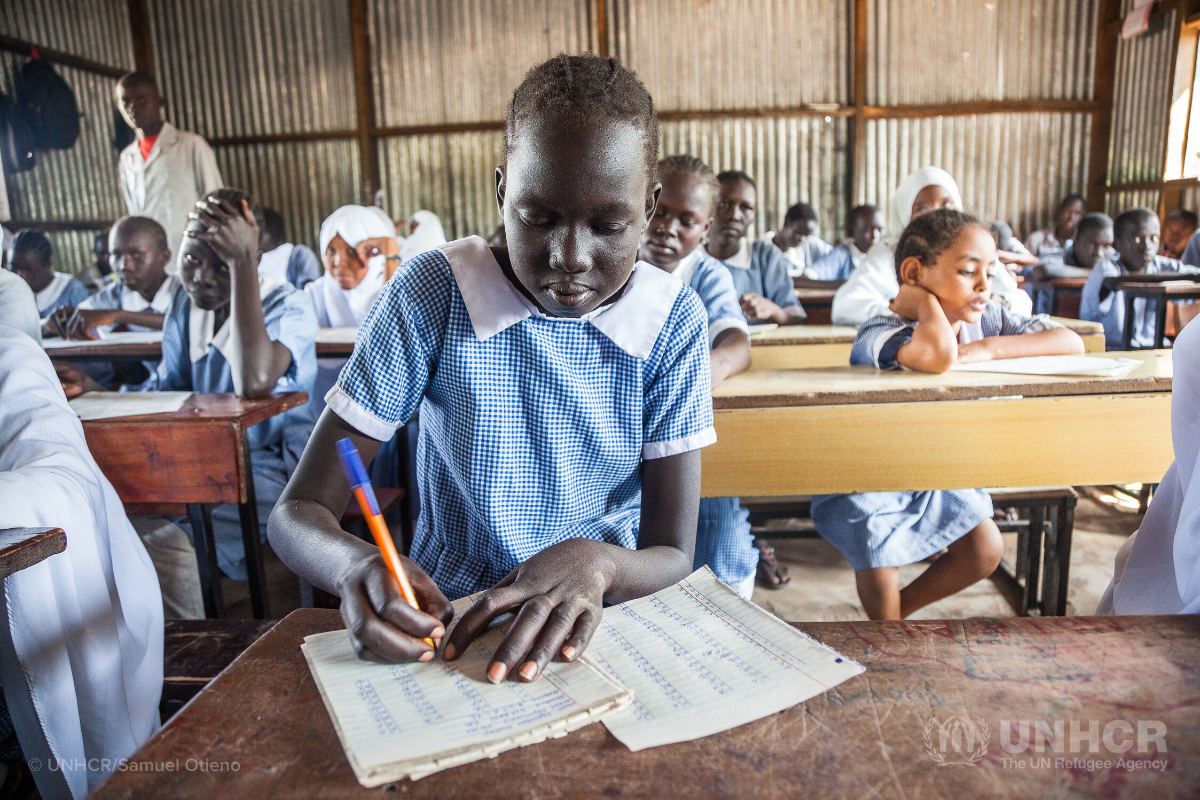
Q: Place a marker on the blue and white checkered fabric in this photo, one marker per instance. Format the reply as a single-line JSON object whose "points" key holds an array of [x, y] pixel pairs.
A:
{"points": [[710, 279], [533, 428]]}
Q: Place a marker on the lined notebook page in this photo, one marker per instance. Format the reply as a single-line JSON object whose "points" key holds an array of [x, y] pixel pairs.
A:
{"points": [[700, 659], [411, 720]]}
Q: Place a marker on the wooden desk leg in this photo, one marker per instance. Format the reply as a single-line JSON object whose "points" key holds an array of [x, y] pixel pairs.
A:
{"points": [[1022, 568], [206, 559], [252, 543], [1058, 561], [1160, 320], [1127, 334], [1033, 556]]}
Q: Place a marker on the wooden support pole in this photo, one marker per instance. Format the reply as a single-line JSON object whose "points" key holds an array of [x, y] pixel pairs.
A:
{"points": [[364, 99], [1104, 78], [139, 28], [14, 45], [600, 15], [858, 76]]}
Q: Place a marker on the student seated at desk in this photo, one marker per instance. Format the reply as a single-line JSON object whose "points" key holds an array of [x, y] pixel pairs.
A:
{"points": [[30, 258], [281, 259], [1135, 241], [797, 238], [865, 226], [672, 243], [943, 314], [1177, 231], [1066, 219], [564, 391], [1093, 242], [230, 330], [760, 272]]}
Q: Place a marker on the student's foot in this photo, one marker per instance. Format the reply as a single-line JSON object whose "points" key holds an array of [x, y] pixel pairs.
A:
{"points": [[770, 574]]}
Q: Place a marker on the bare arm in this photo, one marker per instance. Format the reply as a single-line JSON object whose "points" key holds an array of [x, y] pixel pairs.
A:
{"points": [[1054, 342], [934, 345], [730, 355], [760, 309]]}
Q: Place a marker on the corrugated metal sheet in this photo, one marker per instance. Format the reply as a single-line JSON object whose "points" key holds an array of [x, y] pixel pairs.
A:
{"points": [[1012, 167], [734, 54], [255, 67], [97, 30], [444, 61], [1141, 105], [304, 181], [932, 51], [1190, 199], [792, 160], [1121, 201]]}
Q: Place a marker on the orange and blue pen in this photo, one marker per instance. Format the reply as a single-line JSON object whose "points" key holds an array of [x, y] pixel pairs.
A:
{"points": [[356, 473]]}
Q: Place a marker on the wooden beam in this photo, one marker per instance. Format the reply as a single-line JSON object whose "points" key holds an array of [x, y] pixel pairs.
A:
{"points": [[14, 45], [450, 127], [1104, 78], [816, 110], [276, 138], [974, 107], [139, 29], [58, 225], [858, 77], [600, 15], [364, 99]]}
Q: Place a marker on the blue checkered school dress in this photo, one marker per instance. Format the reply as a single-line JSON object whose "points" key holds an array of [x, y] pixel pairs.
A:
{"points": [[891, 529], [533, 428]]}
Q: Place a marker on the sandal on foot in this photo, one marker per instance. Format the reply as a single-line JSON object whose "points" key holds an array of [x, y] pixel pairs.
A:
{"points": [[770, 573]]}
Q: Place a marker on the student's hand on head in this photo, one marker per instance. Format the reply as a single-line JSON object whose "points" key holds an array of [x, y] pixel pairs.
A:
{"points": [[757, 307], [377, 246], [558, 598], [74, 381], [382, 626], [908, 302], [231, 232]]}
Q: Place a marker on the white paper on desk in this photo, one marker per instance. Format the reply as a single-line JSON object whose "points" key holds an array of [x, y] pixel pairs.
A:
{"points": [[762, 327], [1054, 365], [412, 720], [336, 335], [700, 660], [108, 405], [120, 337]]}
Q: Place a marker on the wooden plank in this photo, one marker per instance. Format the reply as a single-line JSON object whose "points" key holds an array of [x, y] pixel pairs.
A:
{"points": [[60, 225], [1104, 78], [974, 107], [23, 47], [866, 738], [600, 14], [858, 75], [23, 547], [364, 98], [800, 356], [1066, 440], [139, 30], [276, 138], [804, 334]]}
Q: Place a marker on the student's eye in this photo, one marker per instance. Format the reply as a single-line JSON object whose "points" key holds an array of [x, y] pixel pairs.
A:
{"points": [[609, 228], [536, 222]]}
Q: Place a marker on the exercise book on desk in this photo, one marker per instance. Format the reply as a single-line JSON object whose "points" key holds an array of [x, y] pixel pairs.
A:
{"points": [[1092, 366], [109, 405], [106, 337]]}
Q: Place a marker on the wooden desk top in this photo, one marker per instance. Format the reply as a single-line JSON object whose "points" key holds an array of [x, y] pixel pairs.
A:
{"points": [[815, 297], [865, 738], [852, 385], [844, 334], [207, 408], [1059, 283], [800, 282], [1183, 291], [335, 342], [103, 350], [24, 547]]}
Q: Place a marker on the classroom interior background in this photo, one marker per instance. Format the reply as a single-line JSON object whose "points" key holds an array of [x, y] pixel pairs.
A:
{"points": [[312, 104]]}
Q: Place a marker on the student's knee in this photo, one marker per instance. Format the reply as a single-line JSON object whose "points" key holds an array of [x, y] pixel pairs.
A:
{"points": [[987, 546]]}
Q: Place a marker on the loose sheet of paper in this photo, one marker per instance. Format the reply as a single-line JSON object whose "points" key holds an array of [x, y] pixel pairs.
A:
{"points": [[108, 405], [336, 335], [1055, 365], [700, 660], [118, 337], [411, 720]]}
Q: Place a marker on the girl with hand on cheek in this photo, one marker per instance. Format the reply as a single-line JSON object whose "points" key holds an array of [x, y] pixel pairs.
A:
{"points": [[563, 390]]}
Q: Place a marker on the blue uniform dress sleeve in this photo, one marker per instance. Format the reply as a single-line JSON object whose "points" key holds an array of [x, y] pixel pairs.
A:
{"points": [[878, 341], [174, 370], [1191, 253], [836, 265], [75, 293], [777, 284], [290, 320], [678, 384], [397, 348], [1099, 305], [106, 299], [713, 283], [303, 267], [999, 321]]}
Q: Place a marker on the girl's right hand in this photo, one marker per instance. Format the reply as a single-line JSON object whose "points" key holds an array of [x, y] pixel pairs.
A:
{"points": [[382, 626], [908, 302]]}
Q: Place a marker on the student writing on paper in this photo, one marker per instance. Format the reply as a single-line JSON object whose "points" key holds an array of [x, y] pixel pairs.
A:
{"points": [[564, 392], [943, 314], [672, 243], [865, 227], [30, 258], [281, 259], [1135, 241], [759, 270], [230, 330], [797, 238]]}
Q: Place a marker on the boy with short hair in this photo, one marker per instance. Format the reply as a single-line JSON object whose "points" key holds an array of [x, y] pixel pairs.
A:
{"points": [[1135, 239], [294, 263], [797, 238], [864, 228], [1177, 232]]}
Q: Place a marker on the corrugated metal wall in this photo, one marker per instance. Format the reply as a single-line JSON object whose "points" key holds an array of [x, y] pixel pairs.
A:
{"points": [[80, 183]]}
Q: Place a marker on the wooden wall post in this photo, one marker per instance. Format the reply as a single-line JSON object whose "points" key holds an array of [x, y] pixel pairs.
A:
{"points": [[858, 77], [1104, 78], [139, 29], [364, 99], [600, 15]]}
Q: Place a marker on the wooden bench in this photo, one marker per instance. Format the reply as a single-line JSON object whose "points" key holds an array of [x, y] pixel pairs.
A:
{"points": [[196, 650]]}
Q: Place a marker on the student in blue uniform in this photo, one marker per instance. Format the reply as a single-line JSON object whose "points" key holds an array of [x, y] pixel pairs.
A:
{"points": [[672, 243], [866, 226], [281, 259], [232, 330], [797, 238], [564, 393], [1135, 240], [31, 257], [1093, 242], [759, 270], [943, 314]]}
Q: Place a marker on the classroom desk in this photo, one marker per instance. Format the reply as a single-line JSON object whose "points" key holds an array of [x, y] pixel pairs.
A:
{"points": [[864, 739], [197, 456], [335, 342], [805, 346], [1153, 292], [23, 547], [1056, 287], [856, 429], [115, 349]]}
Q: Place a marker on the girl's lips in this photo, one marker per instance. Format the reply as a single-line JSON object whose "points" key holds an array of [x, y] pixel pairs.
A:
{"points": [[569, 295]]}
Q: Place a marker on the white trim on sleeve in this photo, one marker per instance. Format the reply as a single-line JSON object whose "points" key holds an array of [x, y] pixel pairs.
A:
{"points": [[881, 342], [653, 450], [354, 413], [717, 327]]}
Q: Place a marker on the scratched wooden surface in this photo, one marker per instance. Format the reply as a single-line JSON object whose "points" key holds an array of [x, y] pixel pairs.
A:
{"points": [[24, 547], [866, 738]]}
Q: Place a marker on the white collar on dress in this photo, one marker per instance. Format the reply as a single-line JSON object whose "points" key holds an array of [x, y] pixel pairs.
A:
{"points": [[633, 322], [685, 268], [200, 324], [159, 304], [740, 259], [58, 282], [275, 262]]}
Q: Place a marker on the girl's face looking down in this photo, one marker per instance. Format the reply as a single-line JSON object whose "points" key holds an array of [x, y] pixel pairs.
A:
{"points": [[575, 198], [931, 198], [959, 277], [343, 264], [682, 217]]}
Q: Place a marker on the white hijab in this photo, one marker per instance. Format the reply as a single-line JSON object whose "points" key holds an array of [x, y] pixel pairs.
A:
{"points": [[871, 287], [81, 657], [428, 236], [1157, 570], [337, 307]]}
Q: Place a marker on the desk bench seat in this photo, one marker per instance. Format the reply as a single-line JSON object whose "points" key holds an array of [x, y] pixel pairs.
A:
{"points": [[196, 650]]}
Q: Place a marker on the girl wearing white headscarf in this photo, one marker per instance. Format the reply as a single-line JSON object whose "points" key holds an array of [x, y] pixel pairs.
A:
{"points": [[81, 633], [871, 288], [348, 289], [1157, 570], [424, 234]]}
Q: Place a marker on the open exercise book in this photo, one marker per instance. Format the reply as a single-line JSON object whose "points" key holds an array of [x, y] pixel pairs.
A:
{"points": [[1054, 365], [689, 661]]}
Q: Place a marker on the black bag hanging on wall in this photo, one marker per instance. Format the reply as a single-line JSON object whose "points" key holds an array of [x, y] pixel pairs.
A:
{"points": [[16, 144], [48, 106]]}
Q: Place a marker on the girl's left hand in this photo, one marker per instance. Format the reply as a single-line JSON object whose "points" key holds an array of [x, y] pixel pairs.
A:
{"points": [[974, 352], [377, 246], [558, 597], [757, 307], [231, 233]]}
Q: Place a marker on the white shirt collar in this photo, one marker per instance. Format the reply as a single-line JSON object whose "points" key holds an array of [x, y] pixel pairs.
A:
{"points": [[633, 322], [275, 262], [200, 324], [740, 259], [58, 282], [159, 304], [686, 266]]}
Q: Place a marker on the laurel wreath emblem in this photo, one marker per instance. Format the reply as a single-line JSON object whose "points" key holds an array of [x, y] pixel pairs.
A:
{"points": [[976, 754]]}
